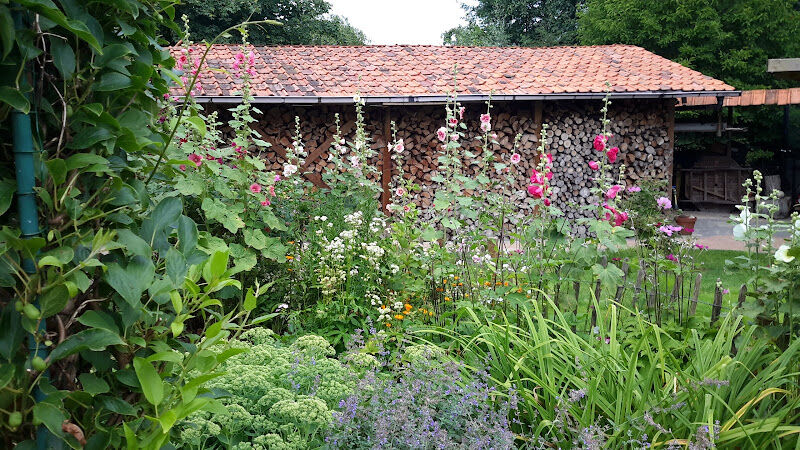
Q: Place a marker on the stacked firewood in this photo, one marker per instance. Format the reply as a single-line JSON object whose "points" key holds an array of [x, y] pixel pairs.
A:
{"points": [[640, 130]]}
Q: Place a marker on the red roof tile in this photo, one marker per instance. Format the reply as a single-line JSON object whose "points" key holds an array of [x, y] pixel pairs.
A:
{"points": [[411, 70]]}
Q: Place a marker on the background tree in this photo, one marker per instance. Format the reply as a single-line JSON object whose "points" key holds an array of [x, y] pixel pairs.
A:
{"points": [[518, 22], [306, 22]]}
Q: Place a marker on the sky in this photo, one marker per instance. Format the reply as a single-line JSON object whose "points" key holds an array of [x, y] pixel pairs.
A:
{"points": [[401, 21]]}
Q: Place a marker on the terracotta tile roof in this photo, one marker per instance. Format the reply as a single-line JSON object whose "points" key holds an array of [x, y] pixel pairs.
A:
{"points": [[754, 97], [412, 70]]}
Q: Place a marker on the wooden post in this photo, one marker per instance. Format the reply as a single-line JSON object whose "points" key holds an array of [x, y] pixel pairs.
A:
{"points": [[716, 307], [676, 289], [621, 287], [386, 171], [742, 296], [637, 288], [693, 302]]}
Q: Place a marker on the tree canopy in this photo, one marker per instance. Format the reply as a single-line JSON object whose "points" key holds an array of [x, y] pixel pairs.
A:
{"points": [[305, 22], [726, 39], [518, 22]]}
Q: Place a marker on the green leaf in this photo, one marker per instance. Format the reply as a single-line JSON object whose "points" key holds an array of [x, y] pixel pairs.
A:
{"points": [[92, 384], [176, 267], [275, 250], [187, 235], [92, 339], [255, 238], [81, 160], [6, 374], [152, 385], [198, 124], [15, 99], [7, 189], [227, 215], [249, 300], [50, 416], [90, 137], [133, 243], [6, 30], [113, 81], [63, 57], [48, 9], [215, 267], [98, 319], [189, 186], [131, 281], [54, 300]]}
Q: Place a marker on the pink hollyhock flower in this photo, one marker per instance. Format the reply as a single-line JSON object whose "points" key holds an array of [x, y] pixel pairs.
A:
{"points": [[454, 137], [485, 127], [452, 122], [620, 218], [536, 177], [255, 188], [265, 202], [210, 157], [664, 203], [549, 157], [406, 208], [485, 118], [251, 58], [516, 158], [600, 142], [666, 230], [461, 113], [546, 201], [726, 291], [196, 159], [494, 136], [272, 191], [536, 190], [613, 191], [612, 154], [593, 165], [441, 133], [634, 189], [182, 167], [399, 146], [672, 257], [277, 178], [400, 191]]}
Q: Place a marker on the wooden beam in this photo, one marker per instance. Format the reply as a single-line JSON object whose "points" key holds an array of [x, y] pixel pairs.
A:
{"points": [[315, 153], [386, 170]]}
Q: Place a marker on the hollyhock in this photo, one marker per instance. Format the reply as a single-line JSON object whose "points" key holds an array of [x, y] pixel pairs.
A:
{"points": [[182, 167], [613, 191], [549, 157], [672, 257], [454, 137], [612, 154], [620, 218], [600, 142], [277, 178], [452, 122], [255, 188], [400, 191], [633, 189], [546, 202], [494, 136], [251, 58], [461, 113], [196, 159], [399, 146], [272, 191], [289, 170], [485, 127], [536, 190], [265, 202], [516, 158], [593, 165], [664, 203], [485, 118], [406, 208], [441, 133]]}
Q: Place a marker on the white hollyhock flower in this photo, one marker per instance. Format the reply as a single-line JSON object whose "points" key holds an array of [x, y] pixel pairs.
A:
{"points": [[783, 254]]}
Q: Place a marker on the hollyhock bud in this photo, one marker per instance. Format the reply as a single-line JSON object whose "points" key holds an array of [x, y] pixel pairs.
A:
{"points": [[593, 165], [546, 202]]}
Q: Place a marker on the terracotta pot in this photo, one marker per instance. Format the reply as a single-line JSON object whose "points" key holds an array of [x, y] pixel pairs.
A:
{"points": [[687, 222]]}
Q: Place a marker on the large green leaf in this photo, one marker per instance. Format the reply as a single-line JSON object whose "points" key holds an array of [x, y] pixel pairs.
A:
{"points": [[63, 56], [152, 385], [7, 189], [133, 243], [48, 9], [176, 267], [15, 99], [50, 416], [131, 281], [113, 81], [93, 385], [92, 339], [6, 30], [54, 300]]}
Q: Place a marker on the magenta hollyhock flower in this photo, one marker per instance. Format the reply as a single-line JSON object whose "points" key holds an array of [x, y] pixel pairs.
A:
{"points": [[536, 190], [593, 165], [600, 142], [633, 189], [441, 133], [613, 191], [196, 159], [255, 188], [672, 257], [277, 178], [265, 202], [452, 122], [485, 118], [612, 154], [726, 291], [620, 218], [663, 203], [665, 229], [546, 201], [515, 158], [272, 191]]}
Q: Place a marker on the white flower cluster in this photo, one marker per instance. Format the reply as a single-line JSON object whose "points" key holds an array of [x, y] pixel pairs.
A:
{"points": [[355, 219], [374, 298], [377, 224], [373, 253]]}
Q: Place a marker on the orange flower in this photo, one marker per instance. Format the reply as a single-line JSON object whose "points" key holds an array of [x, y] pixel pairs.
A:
{"points": [[505, 284], [447, 299], [388, 324], [399, 316], [408, 307], [289, 257]]}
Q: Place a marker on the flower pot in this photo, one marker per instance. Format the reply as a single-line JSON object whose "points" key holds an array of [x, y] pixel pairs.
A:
{"points": [[687, 222]]}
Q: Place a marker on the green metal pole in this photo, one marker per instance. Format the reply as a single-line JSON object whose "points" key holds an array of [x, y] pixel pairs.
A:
{"points": [[29, 220]]}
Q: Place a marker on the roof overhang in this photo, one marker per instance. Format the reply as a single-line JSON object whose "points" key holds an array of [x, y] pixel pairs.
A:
{"points": [[786, 68], [464, 98]]}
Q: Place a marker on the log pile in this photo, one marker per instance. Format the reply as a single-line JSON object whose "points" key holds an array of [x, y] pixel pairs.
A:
{"points": [[640, 128]]}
